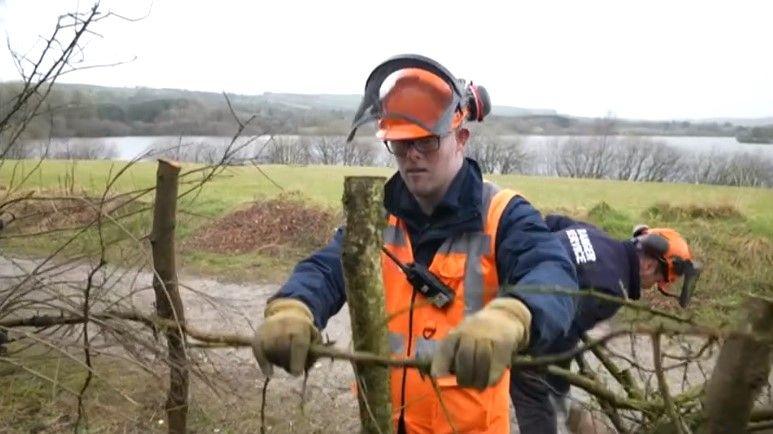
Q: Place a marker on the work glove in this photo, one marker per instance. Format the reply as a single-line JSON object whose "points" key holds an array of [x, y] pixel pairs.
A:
{"points": [[483, 345], [285, 337]]}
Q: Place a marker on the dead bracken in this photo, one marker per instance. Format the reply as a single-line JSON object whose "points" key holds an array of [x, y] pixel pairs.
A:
{"points": [[667, 211], [289, 220]]}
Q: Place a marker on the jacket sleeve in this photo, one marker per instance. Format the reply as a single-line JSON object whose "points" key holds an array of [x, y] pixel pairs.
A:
{"points": [[529, 257], [318, 281]]}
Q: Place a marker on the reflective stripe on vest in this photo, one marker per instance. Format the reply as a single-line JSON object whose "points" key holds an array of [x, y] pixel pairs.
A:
{"points": [[393, 235], [467, 264]]}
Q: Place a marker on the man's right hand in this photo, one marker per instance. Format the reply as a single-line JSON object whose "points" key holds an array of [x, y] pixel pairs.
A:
{"points": [[285, 337]]}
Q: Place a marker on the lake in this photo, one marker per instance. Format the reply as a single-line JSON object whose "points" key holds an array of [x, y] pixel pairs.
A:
{"points": [[132, 146]]}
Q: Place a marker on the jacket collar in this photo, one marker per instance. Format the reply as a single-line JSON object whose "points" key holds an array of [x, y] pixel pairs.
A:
{"points": [[462, 200], [634, 287]]}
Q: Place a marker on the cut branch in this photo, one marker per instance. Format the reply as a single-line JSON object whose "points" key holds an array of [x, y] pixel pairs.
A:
{"points": [[361, 258], [168, 302]]}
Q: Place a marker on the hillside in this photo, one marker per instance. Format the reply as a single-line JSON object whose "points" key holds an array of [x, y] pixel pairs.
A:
{"points": [[90, 111]]}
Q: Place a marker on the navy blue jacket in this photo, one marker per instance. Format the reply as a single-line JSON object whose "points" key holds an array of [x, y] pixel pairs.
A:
{"points": [[603, 264], [527, 254]]}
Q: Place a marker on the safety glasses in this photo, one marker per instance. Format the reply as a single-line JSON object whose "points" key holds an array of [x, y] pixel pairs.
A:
{"points": [[424, 146]]}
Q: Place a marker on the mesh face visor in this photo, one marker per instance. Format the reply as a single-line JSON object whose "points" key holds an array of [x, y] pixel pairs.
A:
{"points": [[690, 272], [410, 96]]}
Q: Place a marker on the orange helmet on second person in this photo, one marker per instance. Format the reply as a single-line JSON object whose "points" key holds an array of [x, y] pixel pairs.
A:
{"points": [[673, 253], [412, 96]]}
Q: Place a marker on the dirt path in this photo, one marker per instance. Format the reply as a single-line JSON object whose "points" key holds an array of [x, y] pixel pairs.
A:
{"points": [[234, 308]]}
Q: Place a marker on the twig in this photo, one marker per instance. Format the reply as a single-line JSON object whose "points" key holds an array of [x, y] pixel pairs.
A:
{"points": [[663, 385], [622, 376], [263, 406], [86, 345], [595, 389], [634, 305], [606, 407], [759, 426]]}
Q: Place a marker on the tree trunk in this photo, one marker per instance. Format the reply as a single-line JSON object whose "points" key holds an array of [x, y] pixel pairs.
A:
{"points": [[742, 369], [363, 204], [169, 305]]}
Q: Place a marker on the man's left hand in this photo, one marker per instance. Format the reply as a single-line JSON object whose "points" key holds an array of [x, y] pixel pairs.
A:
{"points": [[483, 345]]}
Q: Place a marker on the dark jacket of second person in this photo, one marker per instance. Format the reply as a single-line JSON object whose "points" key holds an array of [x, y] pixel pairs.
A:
{"points": [[604, 265]]}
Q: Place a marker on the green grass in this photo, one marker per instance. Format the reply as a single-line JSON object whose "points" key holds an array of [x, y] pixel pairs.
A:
{"points": [[324, 184], [722, 241], [47, 401]]}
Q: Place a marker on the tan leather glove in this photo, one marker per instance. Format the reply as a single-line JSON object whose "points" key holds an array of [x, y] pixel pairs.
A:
{"points": [[483, 345], [285, 337]]}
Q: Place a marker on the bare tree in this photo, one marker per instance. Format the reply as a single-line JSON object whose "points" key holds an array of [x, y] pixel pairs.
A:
{"points": [[292, 150], [496, 154], [328, 150], [701, 168], [745, 169], [68, 150], [62, 53], [644, 159], [631, 159], [590, 157], [664, 163], [631, 156], [357, 153]]}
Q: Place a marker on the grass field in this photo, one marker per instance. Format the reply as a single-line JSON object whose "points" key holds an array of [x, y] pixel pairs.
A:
{"points": [[730, 228], [324, 184]]}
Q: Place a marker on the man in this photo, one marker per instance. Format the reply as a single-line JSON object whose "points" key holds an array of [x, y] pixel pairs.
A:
{"points": [[657, 256], [470, 235]]}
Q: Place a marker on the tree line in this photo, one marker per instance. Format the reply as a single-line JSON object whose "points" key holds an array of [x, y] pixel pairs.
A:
{"points": [[639, 159], [93, 111]]}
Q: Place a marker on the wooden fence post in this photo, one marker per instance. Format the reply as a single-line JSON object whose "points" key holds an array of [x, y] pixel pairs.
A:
{"points": [[363, 204], [742, 369], [169, 305]]}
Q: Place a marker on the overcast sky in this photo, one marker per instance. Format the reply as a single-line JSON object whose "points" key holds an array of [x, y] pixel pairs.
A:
{"points": [[645, 59]]}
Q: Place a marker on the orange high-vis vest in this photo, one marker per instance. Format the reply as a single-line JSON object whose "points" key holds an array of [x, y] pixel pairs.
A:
{"points": [[467, 264]]}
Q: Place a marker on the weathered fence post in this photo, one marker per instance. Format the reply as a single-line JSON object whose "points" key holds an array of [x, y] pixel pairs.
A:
{"points": [[363, 204], [742, 369], [168, 302]]}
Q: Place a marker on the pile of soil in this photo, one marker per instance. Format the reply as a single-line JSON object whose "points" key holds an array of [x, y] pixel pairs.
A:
{"points": [[286, 221]]}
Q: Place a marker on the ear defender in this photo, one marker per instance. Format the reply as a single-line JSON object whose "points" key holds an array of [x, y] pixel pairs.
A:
{"points": [[478, 102], [640, 230]]}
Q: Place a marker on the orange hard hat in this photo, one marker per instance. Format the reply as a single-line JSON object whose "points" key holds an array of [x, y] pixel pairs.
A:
{"points": [[677, 249], [412, 96], [413, 100], [673, 253]]}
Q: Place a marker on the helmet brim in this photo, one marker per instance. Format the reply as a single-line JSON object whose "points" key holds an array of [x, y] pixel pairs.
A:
{"points": [[401, 131]]}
